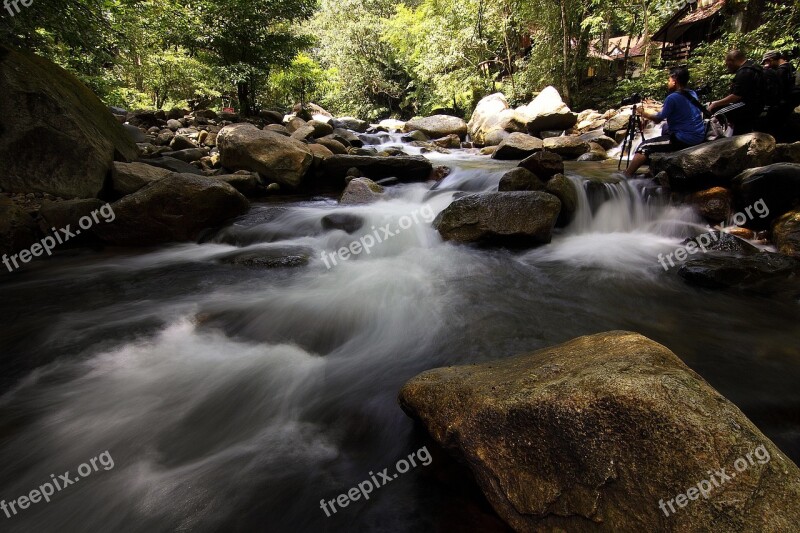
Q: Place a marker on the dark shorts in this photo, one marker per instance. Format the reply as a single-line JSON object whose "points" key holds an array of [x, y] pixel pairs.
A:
{"points": [[662, 143]]}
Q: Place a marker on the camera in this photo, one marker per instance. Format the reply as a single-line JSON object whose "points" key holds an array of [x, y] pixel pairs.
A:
{"points": [[633, 99]]}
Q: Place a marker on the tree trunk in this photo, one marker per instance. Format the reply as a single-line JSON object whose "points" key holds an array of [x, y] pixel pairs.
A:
{"points": [[565, 93], [243, 91], [646, 38]]}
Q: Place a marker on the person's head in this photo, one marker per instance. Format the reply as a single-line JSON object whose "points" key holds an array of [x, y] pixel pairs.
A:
{"points": [[784, 58], [678, 78], [771, 59], [734, 60]]}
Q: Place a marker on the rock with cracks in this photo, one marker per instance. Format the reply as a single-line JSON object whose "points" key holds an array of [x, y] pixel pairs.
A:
{"points": [[592, 434]]}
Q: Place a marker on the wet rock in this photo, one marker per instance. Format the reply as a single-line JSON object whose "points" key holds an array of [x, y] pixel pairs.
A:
{"points": [[500, 218], [437, 126], [562, 188], [127, 178], [279, 257], [361, 191], [175, 208], [58, 137], [517, 146], [544, 164], [592, 156], [488, 150], [567, 147], [69, 212], [376, 167], [722, 242], [346, 222], [777, 186], [439, 173], [714, 163], [713, 204], [450, 141], [280, 159], [561, 440], [751, 271], [520, 179], [18, 230], [786, 234]]}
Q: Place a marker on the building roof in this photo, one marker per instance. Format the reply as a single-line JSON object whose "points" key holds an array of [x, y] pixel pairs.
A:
{"points": [[617, 45], [686, 17]]}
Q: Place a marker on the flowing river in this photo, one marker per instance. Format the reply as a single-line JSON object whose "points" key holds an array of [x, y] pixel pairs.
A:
{"points": [[235, 397]]}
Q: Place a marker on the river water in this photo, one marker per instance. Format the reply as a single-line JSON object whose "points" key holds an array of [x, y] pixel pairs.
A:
{"points": [[235, 398]]}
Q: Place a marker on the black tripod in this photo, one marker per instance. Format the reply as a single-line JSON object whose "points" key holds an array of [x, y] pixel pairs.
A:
{"points": [[634, 126]]}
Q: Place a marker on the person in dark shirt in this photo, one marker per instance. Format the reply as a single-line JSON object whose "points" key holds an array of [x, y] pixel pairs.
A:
{"points": [[788, 76], [744, 104], [684, 118]]}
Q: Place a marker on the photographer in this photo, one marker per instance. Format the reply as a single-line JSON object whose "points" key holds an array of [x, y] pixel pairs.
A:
{"points": [[743, 106], [684, 118]]}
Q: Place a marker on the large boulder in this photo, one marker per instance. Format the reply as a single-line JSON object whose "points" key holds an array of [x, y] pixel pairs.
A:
{"points": [[567, 147], [67, 212], [786, 234], [175, 208], [714, 163], [17, 228], [378, 167], [56, 135], [607, 432], [492, 120], [546, 112], [437, 126], [277, 158], [777, 186], [351, 123], [503, 218], [517, 146]]}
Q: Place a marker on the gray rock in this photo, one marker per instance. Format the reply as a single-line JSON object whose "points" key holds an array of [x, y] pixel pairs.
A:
{"points": [[567, 147], [346, 222], [562, 188], [406, 169], [544, 164], [500, 218]]}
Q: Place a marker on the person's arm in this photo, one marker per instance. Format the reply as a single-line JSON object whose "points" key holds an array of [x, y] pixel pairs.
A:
{"points": [[728, 100], [656, 117]]}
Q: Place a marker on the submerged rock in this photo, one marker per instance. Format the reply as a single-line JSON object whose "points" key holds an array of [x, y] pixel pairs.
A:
{"points": [[346, 222], [280, 257], [593, 434], [500, 218]]}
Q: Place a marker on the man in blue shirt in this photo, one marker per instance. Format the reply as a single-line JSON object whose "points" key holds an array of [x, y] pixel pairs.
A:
{"points": [[684, 117]]}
